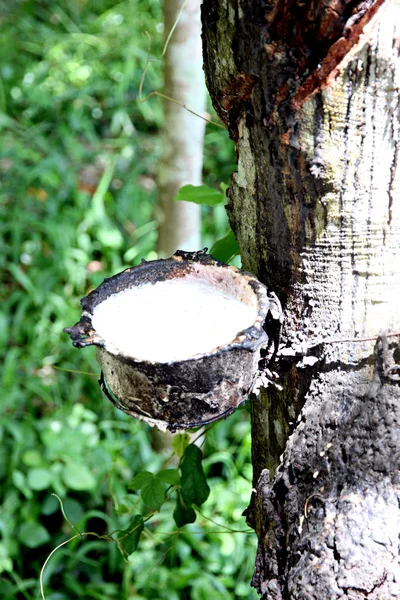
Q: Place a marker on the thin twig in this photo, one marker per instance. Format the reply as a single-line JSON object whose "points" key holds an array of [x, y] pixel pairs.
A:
{"points": [[229, 529]]}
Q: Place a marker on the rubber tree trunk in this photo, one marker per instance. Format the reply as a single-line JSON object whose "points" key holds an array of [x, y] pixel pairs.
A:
{"points": [[183, 133], [310, 93]]}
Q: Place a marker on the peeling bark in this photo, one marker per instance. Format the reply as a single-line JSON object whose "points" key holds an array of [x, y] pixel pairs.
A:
{"points": [[310, 94]]}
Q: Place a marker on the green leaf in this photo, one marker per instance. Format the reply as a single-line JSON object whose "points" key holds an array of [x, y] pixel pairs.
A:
{"points": [[109, 236], [73, 509], [5, 561], [140, 480], [22, 279], [32, 458], [179, 443], [170, 476], [195, 489], [50, 506], [153, 493], [183, 513], [200, 194], [129, 539], [33, 534], [226, 248], [19, 480], [39, 479], [123, 509], [77, 476]]}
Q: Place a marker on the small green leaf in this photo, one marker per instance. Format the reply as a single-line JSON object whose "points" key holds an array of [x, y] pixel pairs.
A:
{"points": [[5, 562], [179, 443], [39, 479], [32, 458], [73, 509], [195, 489], [153, 493], [50, 506], [19, 480], [22, 279], [123, 509], [170, 476], [126, 504], [77, 476], [129, 539], [33, 534], [109, 236], [200, 194], [140, 480], [183, 514], [226, 248]]}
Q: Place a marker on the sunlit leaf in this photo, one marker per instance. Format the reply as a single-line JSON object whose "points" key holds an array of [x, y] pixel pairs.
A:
{"points": [[179, 443], [32, 458], [200, 194], [39, 479], [153, 493], [78, 477], [19, 480], [170, 476], [5, 562], [226, 248], [140, 480]]}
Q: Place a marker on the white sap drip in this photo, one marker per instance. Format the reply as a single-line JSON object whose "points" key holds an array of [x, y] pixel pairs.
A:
{"points": [[171, 320]]}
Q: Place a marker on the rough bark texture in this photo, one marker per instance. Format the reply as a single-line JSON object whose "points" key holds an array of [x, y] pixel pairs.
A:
{"points": [[310, 93], [183, 133]]}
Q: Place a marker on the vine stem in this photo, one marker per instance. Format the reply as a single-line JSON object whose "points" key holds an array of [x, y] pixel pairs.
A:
{"points": [[173, 28], [107, 538], [64, 514], [229, 529], [51, 554]]}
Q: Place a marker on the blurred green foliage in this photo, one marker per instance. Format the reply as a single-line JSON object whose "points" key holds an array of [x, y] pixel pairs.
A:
{"points": [[77, 165]]}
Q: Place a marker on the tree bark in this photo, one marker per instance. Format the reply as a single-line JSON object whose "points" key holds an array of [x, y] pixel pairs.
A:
{"points": [[310, 93], [182, 136]]}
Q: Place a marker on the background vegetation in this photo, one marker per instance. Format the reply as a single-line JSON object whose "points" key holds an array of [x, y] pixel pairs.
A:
{"points": [[78, 203]]}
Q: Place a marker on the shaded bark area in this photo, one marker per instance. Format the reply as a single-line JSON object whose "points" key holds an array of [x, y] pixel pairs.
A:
{"points": [[329, 524], [310, 94]]}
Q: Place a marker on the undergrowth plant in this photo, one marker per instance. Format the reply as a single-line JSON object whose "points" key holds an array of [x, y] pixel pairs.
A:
{"points": [[77, 202]]}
